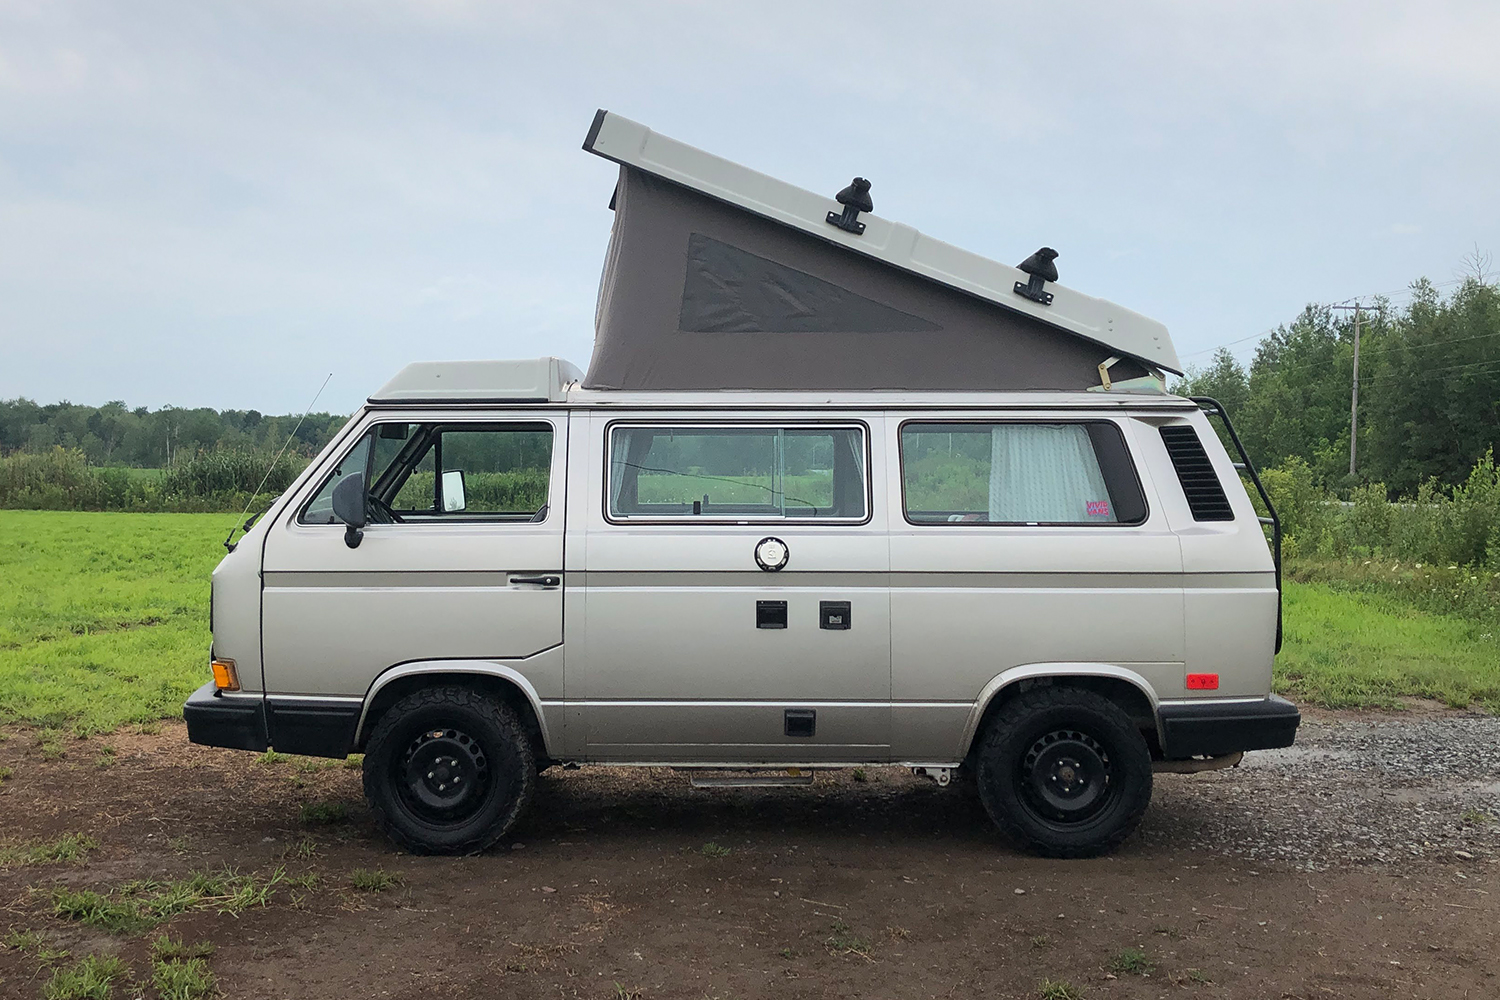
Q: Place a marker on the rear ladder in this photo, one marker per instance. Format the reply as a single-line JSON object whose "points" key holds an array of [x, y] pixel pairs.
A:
{"points": [[1213, 408]]}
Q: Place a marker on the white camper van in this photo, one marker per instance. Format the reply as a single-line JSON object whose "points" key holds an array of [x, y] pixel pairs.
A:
{"points": [[831, 494]]}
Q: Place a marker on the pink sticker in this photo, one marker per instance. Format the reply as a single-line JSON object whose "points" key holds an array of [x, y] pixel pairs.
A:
{"points": [[1098, 508]]}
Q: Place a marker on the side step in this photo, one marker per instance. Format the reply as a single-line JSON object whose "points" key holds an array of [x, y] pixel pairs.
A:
{"points": [[767, 780]]}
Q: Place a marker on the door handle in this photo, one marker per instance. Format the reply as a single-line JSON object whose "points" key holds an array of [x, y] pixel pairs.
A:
{"points": [[538, 581]]}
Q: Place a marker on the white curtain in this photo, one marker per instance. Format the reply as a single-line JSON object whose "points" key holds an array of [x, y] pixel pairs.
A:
{"points": [[1046, 473], [619, 458]]}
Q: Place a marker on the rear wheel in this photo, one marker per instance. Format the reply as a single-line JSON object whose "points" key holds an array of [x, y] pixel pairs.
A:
{"points": [[1063, 772], [448, 771]]}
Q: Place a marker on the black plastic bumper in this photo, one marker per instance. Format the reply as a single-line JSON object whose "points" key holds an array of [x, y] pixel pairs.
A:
{"points": [[1215, 728], [292, 725], [216, 721]]}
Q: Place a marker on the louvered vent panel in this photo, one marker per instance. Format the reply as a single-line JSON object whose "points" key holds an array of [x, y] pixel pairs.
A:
{"points": [[1200, 484]]}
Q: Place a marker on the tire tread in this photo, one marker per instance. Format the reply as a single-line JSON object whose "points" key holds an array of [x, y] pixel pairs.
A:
{"points": [[451, 696], [1014, 715]]}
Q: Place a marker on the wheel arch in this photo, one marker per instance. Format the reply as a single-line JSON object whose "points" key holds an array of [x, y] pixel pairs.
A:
{"points": [[1121, 685], [503, 682]]}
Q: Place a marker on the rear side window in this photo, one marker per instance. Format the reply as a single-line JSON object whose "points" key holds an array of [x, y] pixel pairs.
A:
{"points": [[737, 472], [1018, 473], [1205, 495]]}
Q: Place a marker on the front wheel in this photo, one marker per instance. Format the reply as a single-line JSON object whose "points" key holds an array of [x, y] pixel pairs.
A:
{"points": [[448, 770], [1064, 773]]}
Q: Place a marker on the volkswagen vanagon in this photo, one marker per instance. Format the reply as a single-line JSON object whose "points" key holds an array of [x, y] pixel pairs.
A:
{"points": [[831, 494]]}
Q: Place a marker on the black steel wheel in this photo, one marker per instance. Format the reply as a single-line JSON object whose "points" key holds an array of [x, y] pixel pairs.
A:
{"points": [[448, 771], [1064, 772]]}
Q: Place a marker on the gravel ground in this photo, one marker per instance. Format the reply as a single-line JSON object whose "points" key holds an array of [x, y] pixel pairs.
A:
{"points": [[1388, 789]]}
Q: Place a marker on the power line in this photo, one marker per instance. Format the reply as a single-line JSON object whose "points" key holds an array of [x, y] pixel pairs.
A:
{"points": [[1481, 368], [1300, 366], [1407, 291]]}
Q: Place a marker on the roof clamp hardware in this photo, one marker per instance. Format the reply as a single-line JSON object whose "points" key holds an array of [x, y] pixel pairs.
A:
{"points": [[855, 198], [1039, 265]]}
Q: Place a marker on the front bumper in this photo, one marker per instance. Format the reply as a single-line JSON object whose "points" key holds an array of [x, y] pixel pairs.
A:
{"points": [[309, 726], [218, 721], [1214, 728]]}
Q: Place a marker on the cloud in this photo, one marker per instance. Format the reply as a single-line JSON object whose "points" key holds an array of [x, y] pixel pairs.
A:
{"points": [[186, 189]]}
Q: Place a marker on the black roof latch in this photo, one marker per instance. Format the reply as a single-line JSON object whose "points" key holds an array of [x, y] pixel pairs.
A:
{"points": [[1039, 265], [855, 198]]}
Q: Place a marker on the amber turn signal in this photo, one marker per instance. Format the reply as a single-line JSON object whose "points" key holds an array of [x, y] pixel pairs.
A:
{"points": [[225, 677]]}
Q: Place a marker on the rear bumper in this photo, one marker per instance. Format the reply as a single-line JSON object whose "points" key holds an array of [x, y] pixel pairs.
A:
{"points": [[1214, 728], [218, 721]]}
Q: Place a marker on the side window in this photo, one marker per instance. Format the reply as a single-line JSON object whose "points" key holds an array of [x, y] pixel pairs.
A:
{"points": [[320, 509], [737, 472], [1019, 473], [476, 472]]}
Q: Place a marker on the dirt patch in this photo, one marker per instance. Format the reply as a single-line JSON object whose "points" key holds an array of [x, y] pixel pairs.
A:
{"points": [[632, 884]]}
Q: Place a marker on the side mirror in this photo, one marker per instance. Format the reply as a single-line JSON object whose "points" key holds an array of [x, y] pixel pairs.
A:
{"points": [[349, 507], [454, 497]]}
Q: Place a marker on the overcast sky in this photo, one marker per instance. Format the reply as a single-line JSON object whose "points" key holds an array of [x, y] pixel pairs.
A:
{"points": [[219, 203]]}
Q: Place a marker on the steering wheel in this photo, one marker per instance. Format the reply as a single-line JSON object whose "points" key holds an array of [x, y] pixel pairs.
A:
{"points": [[382, 510]]}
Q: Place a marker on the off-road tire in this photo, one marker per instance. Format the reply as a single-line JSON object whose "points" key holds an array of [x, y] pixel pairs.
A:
{"points": [[1017, 742], [463, 724]]}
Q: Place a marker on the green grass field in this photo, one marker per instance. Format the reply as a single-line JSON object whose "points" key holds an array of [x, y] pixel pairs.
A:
{"points": [[103, 617], [104, 621], [1360, 650]]}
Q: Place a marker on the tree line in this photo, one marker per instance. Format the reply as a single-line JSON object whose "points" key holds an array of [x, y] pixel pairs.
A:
{"points": [[1429, 403], [1429, 390], [116, 435]]}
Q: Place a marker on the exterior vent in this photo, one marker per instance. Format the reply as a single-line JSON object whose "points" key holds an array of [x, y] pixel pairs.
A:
{"points": [[1200, 485]]}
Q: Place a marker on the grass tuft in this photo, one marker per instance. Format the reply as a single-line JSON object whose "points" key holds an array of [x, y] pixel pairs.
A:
{"points": [[88, 907], [90, 978], [713, 850], [186, 979], [373, 880], [323, 813], [142, 904], [1058, 989], [73, 847], [843, 941], [168, 949], [1133, 962], [304, 848]]}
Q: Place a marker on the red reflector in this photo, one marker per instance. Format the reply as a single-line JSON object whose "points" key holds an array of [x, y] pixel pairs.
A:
{"points": [[1203, 682]]}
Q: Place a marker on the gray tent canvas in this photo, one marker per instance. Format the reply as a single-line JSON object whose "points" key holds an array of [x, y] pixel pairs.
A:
{"points": [[702, 291]]}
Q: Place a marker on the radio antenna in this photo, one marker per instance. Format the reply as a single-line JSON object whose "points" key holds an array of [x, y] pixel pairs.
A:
{"points": [[271, 468]]}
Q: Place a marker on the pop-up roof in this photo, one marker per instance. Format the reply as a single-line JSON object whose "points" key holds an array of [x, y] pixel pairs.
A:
{"points": [[721, 277]]}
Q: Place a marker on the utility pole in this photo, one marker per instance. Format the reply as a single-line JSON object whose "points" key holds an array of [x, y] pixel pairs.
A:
{"points": [[1354, 389]]}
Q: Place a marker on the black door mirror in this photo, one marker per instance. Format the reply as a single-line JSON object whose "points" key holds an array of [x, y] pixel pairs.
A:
{"points": [[349, 507]]}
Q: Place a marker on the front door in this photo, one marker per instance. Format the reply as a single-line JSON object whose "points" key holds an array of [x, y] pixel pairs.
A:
{"points": [[462, 559], [735, 603]]}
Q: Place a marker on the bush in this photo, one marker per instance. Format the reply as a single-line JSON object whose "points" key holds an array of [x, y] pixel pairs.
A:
{"points": [[1435, 527], [230, 471], [219, 480], [1365, 525], [1301, 503]]}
